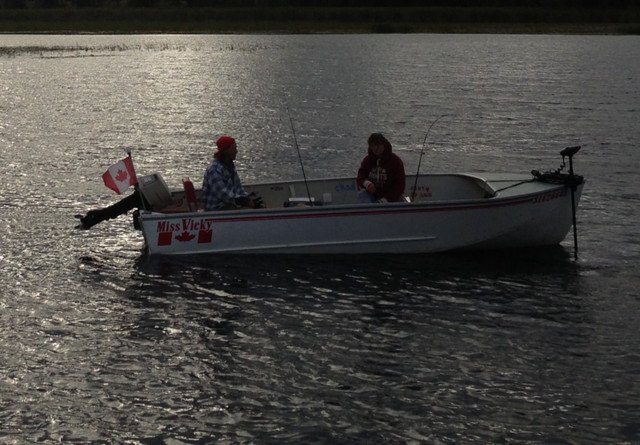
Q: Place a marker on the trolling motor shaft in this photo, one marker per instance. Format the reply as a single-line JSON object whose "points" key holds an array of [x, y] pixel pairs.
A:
{"points": [[570, 180], [570, 151]]}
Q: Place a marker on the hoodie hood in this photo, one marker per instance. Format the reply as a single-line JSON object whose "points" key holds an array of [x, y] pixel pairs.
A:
{"points": [[378, 138]]}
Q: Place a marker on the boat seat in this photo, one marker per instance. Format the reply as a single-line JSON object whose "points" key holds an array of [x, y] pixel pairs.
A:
{"points": [[190, 194]]}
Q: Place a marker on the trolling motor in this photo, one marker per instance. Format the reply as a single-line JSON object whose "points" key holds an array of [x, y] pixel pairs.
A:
{"points": [[571, 180], [557, 176]]}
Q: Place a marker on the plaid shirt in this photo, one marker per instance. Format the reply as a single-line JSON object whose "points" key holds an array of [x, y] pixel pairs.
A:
{"points": [[221, 185]]}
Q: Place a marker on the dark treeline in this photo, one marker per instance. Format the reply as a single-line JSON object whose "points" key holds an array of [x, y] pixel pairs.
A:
{"points": [[547, 4], [307, 16]]}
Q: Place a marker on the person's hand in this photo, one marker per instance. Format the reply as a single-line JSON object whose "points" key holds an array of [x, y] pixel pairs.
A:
{"points": [[256, 201], [371, 188], [242, 201]]}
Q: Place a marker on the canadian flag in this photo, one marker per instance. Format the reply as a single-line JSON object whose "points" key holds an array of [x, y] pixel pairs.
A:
{"points": [[120, 176]]}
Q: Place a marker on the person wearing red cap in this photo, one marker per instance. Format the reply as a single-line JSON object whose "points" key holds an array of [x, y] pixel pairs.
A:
{"points": [[221, 187]]}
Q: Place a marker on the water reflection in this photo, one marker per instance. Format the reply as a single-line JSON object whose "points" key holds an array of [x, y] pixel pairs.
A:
{"points": [[391, 271], [479, 287], [249, 341]]}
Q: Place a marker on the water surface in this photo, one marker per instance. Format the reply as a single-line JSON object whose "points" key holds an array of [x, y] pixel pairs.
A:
{"points": [[102, 344]]}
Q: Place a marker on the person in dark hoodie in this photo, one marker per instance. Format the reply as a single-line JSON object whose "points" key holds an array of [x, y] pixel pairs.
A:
{"points": [[381, 175]]}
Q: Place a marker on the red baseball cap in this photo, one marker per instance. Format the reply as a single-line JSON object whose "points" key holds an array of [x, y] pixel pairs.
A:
{"points": [[224, 142]]}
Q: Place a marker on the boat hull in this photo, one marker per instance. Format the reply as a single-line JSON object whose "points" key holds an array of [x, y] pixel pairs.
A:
{"points": [[527, 213]]}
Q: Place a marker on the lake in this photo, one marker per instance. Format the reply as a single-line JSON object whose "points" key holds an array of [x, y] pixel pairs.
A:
{"points": [[100, 343]]}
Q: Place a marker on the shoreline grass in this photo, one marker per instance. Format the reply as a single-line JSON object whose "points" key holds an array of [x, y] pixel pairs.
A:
{"points": [[307, 20]]}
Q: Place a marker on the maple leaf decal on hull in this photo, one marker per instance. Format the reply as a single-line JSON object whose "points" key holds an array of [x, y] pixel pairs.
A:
{"points": [[185, 236]]}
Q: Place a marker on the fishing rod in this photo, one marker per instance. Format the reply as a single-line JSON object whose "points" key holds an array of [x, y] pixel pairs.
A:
{"points": [[424, 143], [295, 140]]}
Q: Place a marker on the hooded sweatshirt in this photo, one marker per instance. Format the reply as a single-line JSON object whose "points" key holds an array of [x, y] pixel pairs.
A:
{"points": [[386, 172]]}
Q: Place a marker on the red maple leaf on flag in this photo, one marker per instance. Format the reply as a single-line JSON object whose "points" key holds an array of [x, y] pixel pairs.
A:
{"points": [[122, 176]]}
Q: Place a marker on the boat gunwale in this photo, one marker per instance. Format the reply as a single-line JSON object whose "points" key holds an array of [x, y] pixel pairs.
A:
{"points": [[355, 209]]}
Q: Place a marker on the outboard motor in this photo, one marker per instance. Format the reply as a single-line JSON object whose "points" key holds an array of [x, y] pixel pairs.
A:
{"points": [[151, 193]]}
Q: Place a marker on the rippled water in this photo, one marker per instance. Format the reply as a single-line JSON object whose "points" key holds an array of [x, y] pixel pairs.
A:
{"points": [[102, 344]]}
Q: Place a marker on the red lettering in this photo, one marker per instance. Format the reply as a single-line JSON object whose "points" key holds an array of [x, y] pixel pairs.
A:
{"points": [[550, 196]]}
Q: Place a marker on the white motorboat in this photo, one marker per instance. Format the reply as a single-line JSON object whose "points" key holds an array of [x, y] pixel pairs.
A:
{"points": [[445, 212]]}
